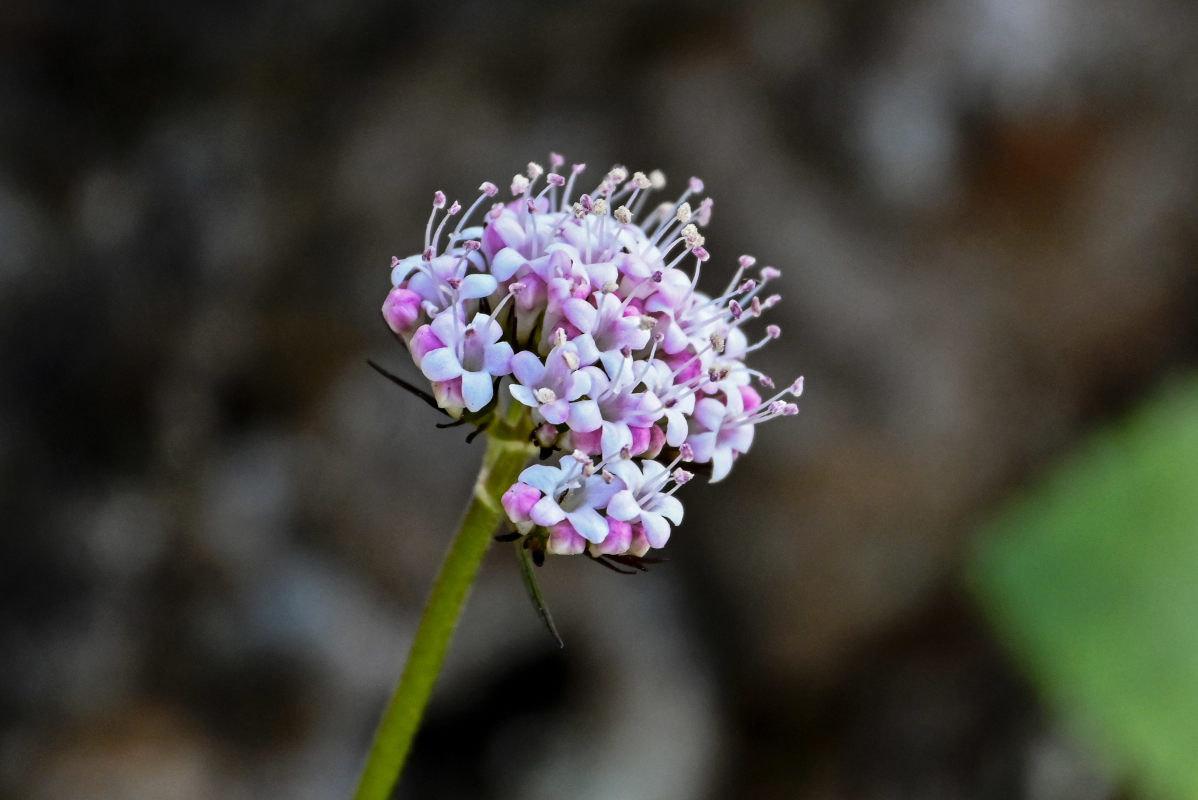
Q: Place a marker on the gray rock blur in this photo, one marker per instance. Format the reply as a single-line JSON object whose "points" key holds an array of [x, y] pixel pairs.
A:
{"points": [[219, 525]]}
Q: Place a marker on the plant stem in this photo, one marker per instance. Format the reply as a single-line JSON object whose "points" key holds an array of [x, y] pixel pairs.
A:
{"points": [[504, 459]]}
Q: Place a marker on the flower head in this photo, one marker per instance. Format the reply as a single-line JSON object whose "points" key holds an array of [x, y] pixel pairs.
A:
{"points": [[583, 308]]}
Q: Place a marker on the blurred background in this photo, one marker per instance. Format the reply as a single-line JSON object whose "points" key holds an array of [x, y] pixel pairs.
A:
{"points": [[219, 524]]}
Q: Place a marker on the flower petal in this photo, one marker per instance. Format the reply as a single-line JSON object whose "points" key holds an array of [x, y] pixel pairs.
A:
{"points": [[547, 512], [623, 506], [589, 523], [477, 389], [441, 364]]}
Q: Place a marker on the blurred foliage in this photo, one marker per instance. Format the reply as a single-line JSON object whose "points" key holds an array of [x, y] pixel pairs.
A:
{"points": [[1092, 579]]}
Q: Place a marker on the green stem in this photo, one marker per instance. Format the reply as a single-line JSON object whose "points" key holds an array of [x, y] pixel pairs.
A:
{"points": [[504, 459]]}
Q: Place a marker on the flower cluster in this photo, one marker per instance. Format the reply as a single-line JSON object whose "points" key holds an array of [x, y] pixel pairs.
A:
{"points": [[581, 309]]}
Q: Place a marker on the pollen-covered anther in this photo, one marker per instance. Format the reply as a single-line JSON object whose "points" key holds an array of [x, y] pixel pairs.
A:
{"points": [[717, 342], [681, 476], [648, 322], [545, 395], [600, 207], [607, 476], [622, 215], [472, 245], [611, 287], [559, 337], [519, 185], [617, 174], [535, 170], [489, 189], [690, 234], [571, 359], [657, 180], [641, 181], [579, 210], [683, 214], [438, 199]]}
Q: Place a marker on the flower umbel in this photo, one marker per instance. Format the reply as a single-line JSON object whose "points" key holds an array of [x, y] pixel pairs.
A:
{"points": [[582, 310]]}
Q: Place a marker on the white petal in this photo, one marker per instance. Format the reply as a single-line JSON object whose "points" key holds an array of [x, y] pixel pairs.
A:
{"points": [[523, 395], [477, 389], [657, 530], [506, 262], [440, 364], [669, 507], [546, 512], [623, 506], [589, 523], [585, 416], [477, 285], [721, 463], [541, 476]]}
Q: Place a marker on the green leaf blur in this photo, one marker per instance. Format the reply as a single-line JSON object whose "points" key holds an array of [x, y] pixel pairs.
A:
{"points": [[1092, 579]]}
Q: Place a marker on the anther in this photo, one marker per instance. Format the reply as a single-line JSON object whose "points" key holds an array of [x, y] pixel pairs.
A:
{"points": [[622, 215], [556, 180], [717, 342], [686, 452], [555, 160], [545, 395], [773, 331], [657, 180], [489, 189], [454, 208], [472, 245], [535, 170], [683, 214], [519, 185], [439, 199], [696, 185], [746, 261]]}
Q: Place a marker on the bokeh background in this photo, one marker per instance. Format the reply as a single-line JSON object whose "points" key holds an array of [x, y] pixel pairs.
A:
{"points": [[219, 524]]}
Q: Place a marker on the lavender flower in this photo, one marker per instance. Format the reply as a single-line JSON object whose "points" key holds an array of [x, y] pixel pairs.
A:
{"points": [[584, 309]]}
